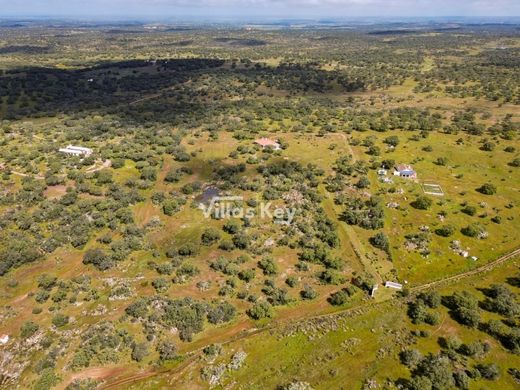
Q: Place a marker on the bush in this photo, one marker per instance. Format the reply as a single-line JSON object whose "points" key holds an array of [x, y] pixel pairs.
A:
{"points": [[60, 320], [47, 380], [170, 207], [487, 189], [268, 266], [410, 357], [167, 350], [241, 240], [331, 277], [364, 281], [464, 308], [212, 350], [260, 310], [422, 203], [139, 351], [231, 227], [469, 210], [308, 293], [339, 298], [392, 140], [291, 281], [28, 329], [47, 282], [488, 146], [160, 284], [432, 318], [445, 231], [380, 240], [417, 311], [442, 161], [472, 230], [488, 371], [501, 300], [226, 245], [246, 275], [430, 298], [363, 182], [210, 236], [223, 312], [188, 249], [98, 258]]}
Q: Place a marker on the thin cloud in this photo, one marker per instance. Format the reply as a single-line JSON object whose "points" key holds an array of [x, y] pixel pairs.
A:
{"points": [[267, 8]]}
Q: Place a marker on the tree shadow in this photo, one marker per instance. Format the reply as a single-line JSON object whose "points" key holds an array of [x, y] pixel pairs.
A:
{"points": [[145, 91]]}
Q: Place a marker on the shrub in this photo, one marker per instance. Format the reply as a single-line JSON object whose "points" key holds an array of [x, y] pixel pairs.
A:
{"points": [[47, 282], [188, 249], [60, 320], [212, 350], [160, 284], [442, 161], [501, 300], [291, 281], [392, 140], [241, 240], [226, 245], [331, 277], [247, 275], [488, 146], [445, 231], [380, 240], [223, 312], [139, 351], [487, 189], [430, 298], [363, 182], [488, 371], [268, 266], [47, 380], [231, 227], [210, 236], [338, 298], [170, 207], [98, 258], [422, 203], [308, 293], [28, 329], [364, 281], [472, 230], [167, 350], [469, 210], [464, 308], [410, 357], [260, 310], [432, 318], [417, 311]]}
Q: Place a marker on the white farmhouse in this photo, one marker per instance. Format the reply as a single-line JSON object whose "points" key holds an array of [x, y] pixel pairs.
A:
{"points": [[76, 151], [4, 339]]}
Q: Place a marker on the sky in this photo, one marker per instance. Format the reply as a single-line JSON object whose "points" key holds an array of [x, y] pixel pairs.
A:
{"points": [[254, 9]]}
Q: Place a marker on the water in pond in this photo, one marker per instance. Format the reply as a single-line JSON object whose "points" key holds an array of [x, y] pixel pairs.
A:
{"points": [[207, 194]]}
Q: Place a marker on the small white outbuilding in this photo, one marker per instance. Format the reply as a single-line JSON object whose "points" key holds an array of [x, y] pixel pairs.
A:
{"points": [[76, 150], [397, 286]]}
